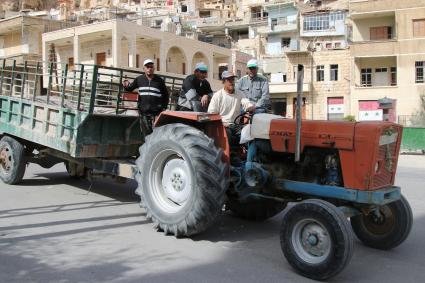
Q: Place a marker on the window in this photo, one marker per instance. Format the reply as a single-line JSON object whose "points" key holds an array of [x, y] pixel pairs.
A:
{"points": [[316, 22], [366, 77], [328, 45], [380, 70], [419, 71], [137, 61], [238, 73], [320, 73], [334, 72], [419, 27], [337, 44], [184, 8], [286, 42], [273, 24], [380, 33], [393, 76]]}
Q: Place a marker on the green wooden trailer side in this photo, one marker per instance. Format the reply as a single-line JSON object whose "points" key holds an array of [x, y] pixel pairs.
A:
{"points": [[81, 111]]}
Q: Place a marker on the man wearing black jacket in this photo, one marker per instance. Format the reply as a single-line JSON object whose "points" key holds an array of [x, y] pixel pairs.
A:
{"points": [[153, 95], [196, 91]]}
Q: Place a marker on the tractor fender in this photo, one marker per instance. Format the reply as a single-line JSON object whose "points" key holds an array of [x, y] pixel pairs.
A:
{"points": [[210, 124]]}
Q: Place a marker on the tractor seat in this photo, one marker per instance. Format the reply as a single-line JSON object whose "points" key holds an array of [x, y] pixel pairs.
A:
{"points": [[259, 128]]}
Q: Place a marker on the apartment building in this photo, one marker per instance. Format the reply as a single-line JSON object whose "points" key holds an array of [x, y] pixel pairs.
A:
{"points": [[314, 34], [388, 58], [20, 36]]}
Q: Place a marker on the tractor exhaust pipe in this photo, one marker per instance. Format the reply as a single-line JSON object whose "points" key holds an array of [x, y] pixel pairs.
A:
{"points": [[300, 78]]}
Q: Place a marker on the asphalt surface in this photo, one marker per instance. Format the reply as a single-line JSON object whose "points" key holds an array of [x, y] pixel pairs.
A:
{"points": [[53, 230]]}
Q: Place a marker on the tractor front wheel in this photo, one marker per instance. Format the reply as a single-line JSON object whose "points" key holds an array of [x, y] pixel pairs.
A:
{"points": [[182, 179], [316, 239], [384, 228], [12, 161]]}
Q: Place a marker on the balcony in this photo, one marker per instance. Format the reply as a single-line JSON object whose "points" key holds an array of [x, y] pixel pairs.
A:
{"points": [[374, 48], [279, 27], [368, 6], [284, 88]]}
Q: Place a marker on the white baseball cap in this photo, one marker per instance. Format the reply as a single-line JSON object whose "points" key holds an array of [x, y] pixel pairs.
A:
{"points": [[252, 63], [148, 61], [227, 74]]}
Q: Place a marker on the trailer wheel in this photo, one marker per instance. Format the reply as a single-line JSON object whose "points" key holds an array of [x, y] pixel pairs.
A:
{"points": [[258, 210], [386, 228], [12, 161], [316, 239], [182, 179]]}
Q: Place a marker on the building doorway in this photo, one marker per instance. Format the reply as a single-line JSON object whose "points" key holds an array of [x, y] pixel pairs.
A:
{"points": [[101, 59]]}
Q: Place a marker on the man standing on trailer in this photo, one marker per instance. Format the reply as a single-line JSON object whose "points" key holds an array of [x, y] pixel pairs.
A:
{"points": [[196, 91], [153, 95], [255, 87]]}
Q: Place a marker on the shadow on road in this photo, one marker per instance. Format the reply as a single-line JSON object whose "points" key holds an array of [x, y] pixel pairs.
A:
{"points": [[108, 188]]}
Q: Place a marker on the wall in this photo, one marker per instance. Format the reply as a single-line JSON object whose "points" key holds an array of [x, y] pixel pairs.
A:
{"points": [[361, 26], [327, 88], [405, 21]]}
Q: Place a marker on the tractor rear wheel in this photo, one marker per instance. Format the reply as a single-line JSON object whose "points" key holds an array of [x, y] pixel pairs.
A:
{"points": [[182, 180], [12, 161], [258, 210], [316, 239], [386, 228]]}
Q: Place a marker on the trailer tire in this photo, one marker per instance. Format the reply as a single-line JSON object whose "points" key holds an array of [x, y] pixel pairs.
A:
{"points": [[12, 161], [258, 210], [387, 231], [182, 179], [316, 239]]}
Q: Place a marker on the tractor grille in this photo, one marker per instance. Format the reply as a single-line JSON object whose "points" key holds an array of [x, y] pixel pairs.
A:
{"points": [[387, 160]]}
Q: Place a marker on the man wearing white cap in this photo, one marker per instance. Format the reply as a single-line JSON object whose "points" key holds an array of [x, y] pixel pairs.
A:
{"points": [[255, 87], [228, 103], [153, 95], [196, 90]]}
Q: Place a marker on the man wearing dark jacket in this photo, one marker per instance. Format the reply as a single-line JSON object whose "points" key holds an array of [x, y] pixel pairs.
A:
{"points": [[196, 91], [153, 95]]}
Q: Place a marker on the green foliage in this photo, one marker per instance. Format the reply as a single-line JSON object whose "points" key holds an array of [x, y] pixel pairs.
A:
{"points": [[350, 118]]}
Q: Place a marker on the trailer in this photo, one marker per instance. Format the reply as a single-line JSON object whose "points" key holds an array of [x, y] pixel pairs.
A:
{"points": [[188, 169]]}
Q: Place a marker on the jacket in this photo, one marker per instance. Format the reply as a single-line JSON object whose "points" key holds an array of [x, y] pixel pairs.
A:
{"points": [[153, 94], [192, 90], [255, 89]]}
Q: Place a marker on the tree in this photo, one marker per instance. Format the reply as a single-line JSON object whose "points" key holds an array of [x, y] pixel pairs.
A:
{"points": [[418, 119]]}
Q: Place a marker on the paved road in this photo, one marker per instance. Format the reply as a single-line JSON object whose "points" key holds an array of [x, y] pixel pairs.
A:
{"points": [[51, 230]]}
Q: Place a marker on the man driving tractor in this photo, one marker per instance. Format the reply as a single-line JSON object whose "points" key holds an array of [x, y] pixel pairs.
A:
{"points": [[229, 103]]}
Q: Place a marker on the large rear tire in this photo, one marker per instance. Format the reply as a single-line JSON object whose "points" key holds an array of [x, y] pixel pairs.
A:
{"points": [[182, 180], [12, 161], [255, 210], [387, 229], [316, 239]]}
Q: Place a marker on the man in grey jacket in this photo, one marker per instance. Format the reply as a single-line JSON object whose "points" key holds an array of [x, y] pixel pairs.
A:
{"points": [[255, 87]]}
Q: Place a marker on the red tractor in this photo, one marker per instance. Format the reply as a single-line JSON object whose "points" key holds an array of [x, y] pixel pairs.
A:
{"points": [[187, 171]]}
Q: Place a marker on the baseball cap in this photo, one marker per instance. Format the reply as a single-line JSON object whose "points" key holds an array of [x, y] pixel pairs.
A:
{"points": [[227, 74], [201, 67], [252, 63], [148, 61]]}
